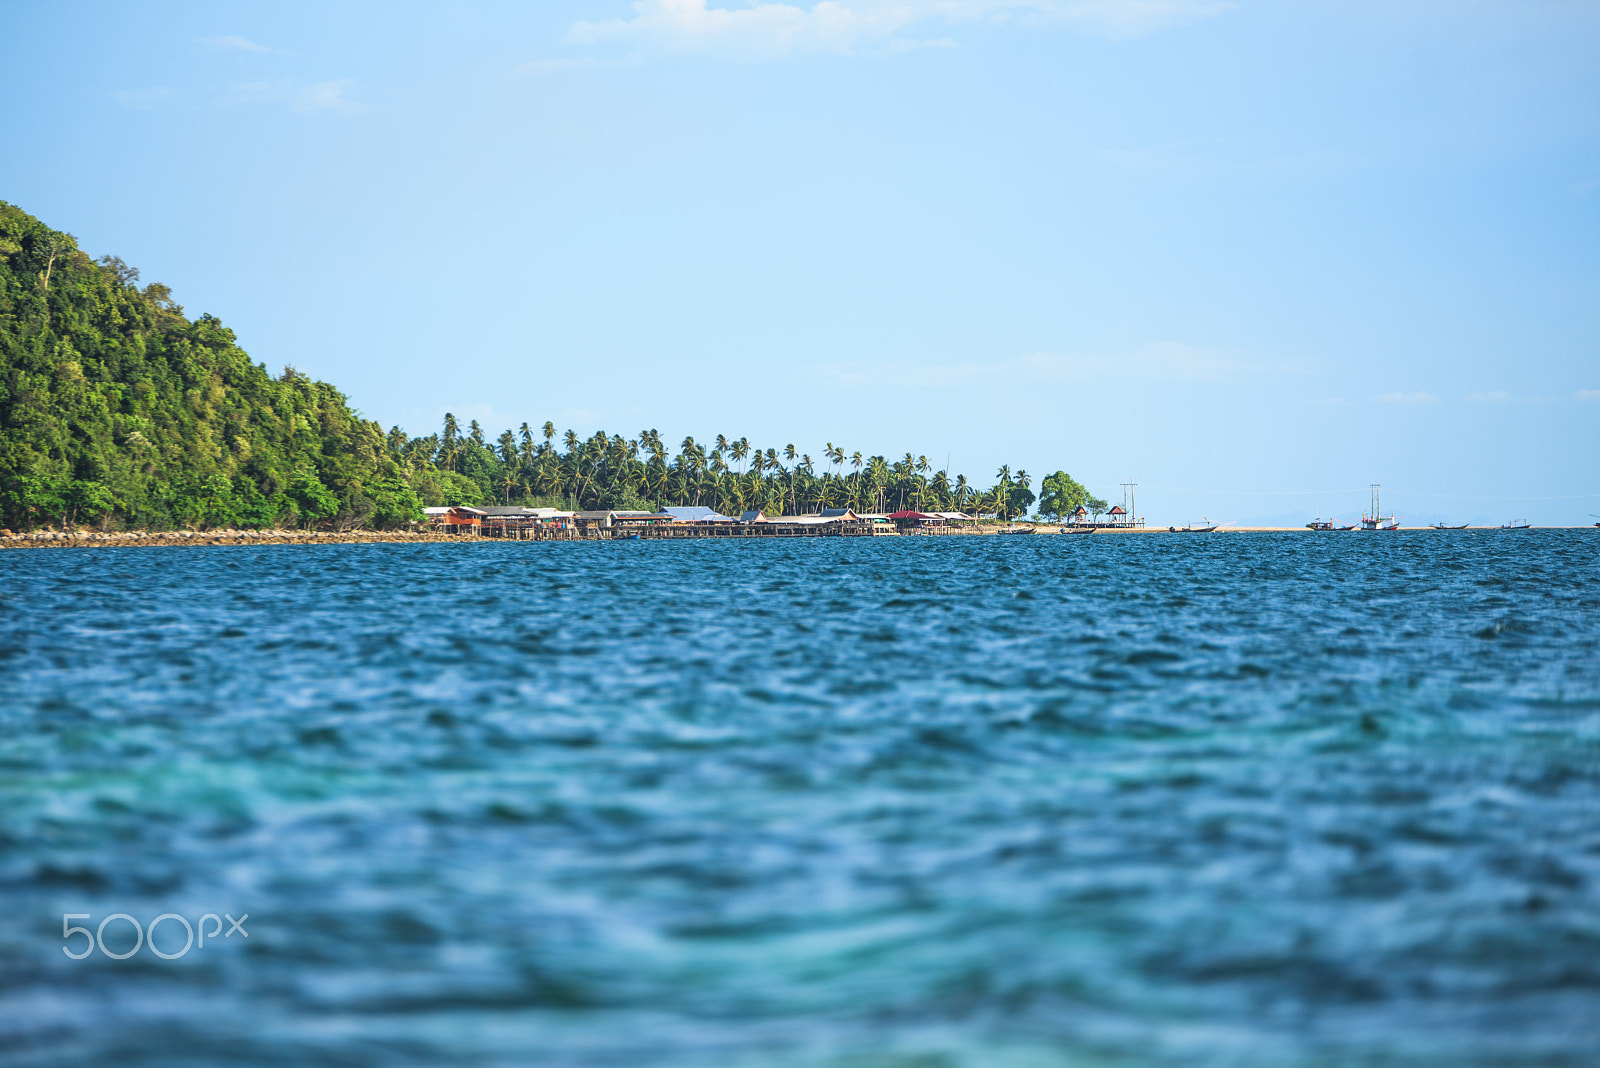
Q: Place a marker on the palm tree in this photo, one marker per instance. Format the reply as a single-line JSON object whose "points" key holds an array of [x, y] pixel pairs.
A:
{"points": [[1001, 491], [447, 445], [549, 431], [790, 455], [855, 461]]}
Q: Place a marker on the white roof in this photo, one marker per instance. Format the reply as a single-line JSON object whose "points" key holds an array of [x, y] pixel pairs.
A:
{"points": [[803, 520]]}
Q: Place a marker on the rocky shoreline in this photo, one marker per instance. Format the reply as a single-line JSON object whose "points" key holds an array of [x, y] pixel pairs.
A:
{"points": [[59, 539]]}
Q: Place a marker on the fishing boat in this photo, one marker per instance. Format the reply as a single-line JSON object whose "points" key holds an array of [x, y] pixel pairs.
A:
{"points": [[1192, 529], [1375, 519], [1017, 530], [1516, 524], [1329, 524], [1441, 525]]}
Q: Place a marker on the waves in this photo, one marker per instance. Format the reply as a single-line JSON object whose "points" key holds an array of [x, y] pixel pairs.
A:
{"points": [[1260, 799]]}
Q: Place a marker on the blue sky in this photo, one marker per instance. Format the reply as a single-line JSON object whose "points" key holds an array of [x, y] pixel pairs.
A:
{"points": [[1253, 255]]}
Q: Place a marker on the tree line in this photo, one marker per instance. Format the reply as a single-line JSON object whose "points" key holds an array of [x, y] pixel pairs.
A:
{"points": [[118, 409], [541, 466]]}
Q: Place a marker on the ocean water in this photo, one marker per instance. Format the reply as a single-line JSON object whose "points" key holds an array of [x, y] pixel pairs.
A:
{"points": [[1251, 799]]}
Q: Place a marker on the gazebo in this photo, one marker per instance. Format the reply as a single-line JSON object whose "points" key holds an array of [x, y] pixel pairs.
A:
{"points": [[1119, 516]]}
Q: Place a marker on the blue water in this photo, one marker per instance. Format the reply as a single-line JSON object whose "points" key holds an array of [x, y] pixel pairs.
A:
{"points": [[1243, 799]]}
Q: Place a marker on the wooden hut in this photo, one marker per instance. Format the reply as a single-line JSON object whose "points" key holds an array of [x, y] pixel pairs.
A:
{"points": [[458, 519]]}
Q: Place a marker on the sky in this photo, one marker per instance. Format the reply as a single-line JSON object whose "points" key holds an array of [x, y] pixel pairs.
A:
{"points": [[1252, 256]]}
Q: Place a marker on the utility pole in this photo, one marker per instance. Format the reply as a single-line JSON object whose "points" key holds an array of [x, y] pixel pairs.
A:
{"points": [[1128, 500]]}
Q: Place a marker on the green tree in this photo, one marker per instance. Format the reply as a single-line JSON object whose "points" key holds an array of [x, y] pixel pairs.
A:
{"points": [[1060, 495], [310, 497]]}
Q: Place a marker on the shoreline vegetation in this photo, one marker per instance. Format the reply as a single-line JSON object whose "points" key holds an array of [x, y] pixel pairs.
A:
{"points": [[118, 412]]}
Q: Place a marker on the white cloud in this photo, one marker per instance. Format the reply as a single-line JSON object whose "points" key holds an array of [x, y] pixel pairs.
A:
{"points": [[318, 96], [1588, 394], [1406, 398], [242, 44], [850, 27]]}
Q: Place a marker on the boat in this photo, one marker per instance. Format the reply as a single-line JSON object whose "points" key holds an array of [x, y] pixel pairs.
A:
{"points": [[1329, 524], [1017, 530], [1516, 524], [1192, 529], [1441, 525], [1375, 519]]}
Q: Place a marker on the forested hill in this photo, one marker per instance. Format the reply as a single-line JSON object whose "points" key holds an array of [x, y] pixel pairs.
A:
{"points": [[116, 409], [115, 405]]}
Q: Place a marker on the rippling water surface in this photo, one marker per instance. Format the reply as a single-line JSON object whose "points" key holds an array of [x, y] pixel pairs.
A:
{"points": [[1108, 800]]}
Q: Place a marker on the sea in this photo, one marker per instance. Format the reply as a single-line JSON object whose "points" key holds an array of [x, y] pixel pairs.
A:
{"points": [[1248, 799]]}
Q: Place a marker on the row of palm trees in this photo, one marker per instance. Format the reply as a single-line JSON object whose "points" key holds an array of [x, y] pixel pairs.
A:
{"points": [[728, 474]]}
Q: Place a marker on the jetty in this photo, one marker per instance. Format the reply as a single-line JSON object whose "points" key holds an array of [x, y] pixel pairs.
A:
{"points": [[549, 524]]}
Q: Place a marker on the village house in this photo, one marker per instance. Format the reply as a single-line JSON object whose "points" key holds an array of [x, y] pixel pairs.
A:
{"points": [[456, 519], [908, 521], [695, 514]]}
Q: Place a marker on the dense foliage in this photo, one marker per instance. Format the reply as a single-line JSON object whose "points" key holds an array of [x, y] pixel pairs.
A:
{"points": [[117, 409], [730, 475]]}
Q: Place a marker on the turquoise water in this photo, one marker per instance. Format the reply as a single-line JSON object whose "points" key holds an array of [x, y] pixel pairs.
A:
{"points": [[1111, 800]]}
